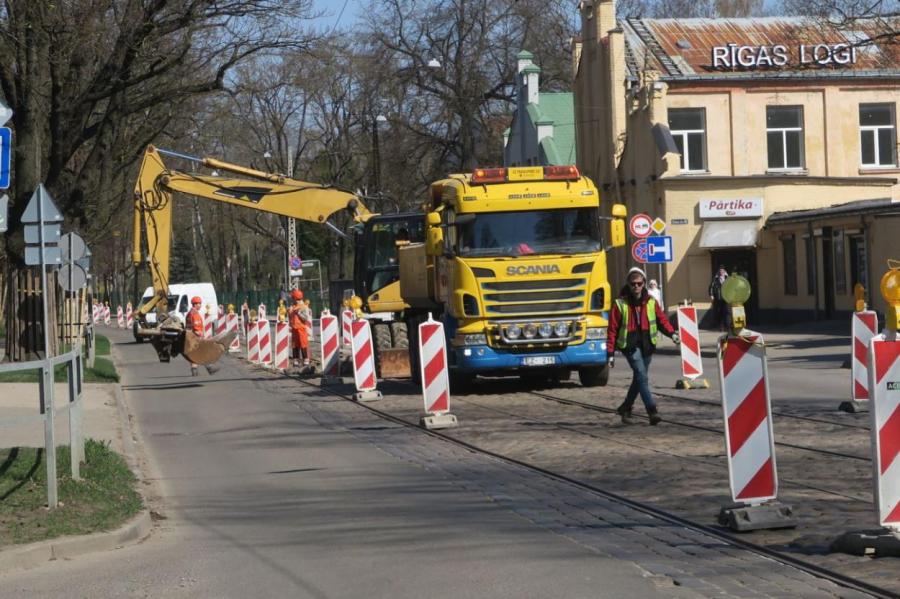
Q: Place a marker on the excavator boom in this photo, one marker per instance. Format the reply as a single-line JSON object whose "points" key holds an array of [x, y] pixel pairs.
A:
{"points": [[266, 192]]}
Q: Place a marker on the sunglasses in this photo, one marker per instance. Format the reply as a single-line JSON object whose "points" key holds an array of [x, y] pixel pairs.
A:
{"points": [[636, 283]]}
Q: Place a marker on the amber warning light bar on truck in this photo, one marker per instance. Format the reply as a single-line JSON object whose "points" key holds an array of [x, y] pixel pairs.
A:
{"points": [[525, 173]]}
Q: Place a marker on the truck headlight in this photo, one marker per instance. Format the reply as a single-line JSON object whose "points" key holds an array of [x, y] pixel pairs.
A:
{"points": [[545, 330], [513, 331], [475, 339], [561, 329], [596, 333], [529, 331]]}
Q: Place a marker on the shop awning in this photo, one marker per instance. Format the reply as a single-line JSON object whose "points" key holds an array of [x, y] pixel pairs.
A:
{"points": [[729, 234]]}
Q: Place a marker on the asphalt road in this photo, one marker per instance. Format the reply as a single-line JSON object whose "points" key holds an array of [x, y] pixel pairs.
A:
{"points": [[261, 500]]}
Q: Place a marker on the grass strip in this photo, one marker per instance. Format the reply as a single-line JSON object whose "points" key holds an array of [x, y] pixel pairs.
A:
{"points": [[104, 499], [101, 345], [103, 372]]}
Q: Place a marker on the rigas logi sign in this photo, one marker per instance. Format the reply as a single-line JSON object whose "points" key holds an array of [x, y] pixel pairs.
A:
{"points": [[733, 56]]}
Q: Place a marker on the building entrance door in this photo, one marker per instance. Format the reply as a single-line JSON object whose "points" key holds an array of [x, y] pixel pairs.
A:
{"points": [[739, 262]]}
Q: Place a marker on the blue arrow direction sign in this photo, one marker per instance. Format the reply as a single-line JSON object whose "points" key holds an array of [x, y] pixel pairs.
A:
{"points": [[659, 249], [5, 156]]}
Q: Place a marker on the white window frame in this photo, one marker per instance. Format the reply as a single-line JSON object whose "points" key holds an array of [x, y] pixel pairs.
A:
{"points": [[784, 131], [876, 131], [683, 134]]}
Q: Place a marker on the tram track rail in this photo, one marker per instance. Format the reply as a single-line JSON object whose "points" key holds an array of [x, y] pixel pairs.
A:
{"points": [[837, 578]]}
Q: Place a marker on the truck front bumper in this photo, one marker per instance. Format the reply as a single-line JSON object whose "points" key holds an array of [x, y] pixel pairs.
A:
{"points": [[483, 359]]}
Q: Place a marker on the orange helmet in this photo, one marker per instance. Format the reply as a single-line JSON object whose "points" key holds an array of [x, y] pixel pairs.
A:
{"points": [[296, 294], [196, 300]]}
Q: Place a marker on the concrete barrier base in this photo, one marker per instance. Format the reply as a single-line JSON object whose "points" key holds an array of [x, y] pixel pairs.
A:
{"points": [[874, 543], [373, 395], [692, 384], [854, 407], [765, 516], [436, 421]]}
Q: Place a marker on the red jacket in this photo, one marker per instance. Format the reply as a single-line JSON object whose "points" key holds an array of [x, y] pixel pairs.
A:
{"points": [[615, 321]]}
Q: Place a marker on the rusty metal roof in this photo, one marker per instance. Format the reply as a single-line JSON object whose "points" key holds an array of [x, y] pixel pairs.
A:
{"points": [[683, 48]]}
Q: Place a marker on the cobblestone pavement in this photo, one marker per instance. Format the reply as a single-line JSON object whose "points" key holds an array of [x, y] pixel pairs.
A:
{"points": [[675, 555]]}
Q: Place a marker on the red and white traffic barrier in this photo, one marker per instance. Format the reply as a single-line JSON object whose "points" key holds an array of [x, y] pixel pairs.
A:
{"points": [[329, 346], [95, 313], [435, 377], [863, 327], [209, 323], [253, 343], [221, 325], [363, 360], [265, 342], [749, 438], [282, 346], [884, 392], [346, 320], [129, 317], [106, 315], [120, 317], [261, 312], [233, 326], [691, 360]]}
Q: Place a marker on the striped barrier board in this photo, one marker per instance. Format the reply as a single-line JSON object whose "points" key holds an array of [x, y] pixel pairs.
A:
{"points": [[689, 331], [95, 314], [282, 346], [884, 389], [120, 317], [261, 312], [253, 343], [749, 439], [363, 360], [129, 317], [435, 376], [346, 319], [265, 342], [864, 326], [209, 323], [329, 345], [221, 325], [106, 315], [232, 325]]}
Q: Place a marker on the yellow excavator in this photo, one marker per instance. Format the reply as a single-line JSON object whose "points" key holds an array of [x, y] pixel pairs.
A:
{"points": [[376, 271]]}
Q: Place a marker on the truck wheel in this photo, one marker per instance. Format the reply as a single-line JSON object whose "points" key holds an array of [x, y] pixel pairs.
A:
{"points": [[399, 334], [137, 338], [594, 377], [381, 338]]}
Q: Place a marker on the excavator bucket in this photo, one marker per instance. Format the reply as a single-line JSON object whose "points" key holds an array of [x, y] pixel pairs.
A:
{"points": [[394, 363], [205, 351]]}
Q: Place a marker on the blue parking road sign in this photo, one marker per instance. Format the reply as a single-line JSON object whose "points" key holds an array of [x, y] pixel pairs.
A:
{"points": [[659, 249], [5, 156]]}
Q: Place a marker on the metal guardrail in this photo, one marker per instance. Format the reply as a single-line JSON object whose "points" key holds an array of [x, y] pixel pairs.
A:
{"points": [[49, 409]]}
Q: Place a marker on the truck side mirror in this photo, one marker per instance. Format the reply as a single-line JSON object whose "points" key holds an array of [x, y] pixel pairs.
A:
{"points": [[617, 226], [435, 241], [433, 219]]}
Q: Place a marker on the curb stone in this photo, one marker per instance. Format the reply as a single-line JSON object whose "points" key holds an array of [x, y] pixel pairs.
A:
{"points": [[135, 530]]}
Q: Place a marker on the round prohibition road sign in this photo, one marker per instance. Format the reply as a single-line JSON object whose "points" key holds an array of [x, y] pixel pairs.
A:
{"points": [[640, 225], [639, 251]]}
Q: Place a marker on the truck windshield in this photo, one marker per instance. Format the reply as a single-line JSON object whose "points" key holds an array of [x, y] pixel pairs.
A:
{"points": [[565, 231]]}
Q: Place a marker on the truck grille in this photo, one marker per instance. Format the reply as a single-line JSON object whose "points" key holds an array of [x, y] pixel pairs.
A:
{"points": [[538, 297]]}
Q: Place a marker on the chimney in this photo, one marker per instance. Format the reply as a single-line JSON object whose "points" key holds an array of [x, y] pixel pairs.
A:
{"points": [[523, 59], [531, 75]]}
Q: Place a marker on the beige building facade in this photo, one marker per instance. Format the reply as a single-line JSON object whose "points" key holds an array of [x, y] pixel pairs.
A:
{"points": [[767, 145]]}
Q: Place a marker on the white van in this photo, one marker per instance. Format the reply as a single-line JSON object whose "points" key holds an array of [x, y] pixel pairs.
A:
{"points": [[180, 295]]}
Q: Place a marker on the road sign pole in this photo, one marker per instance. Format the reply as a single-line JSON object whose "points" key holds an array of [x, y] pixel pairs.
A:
{"points": [[47, 376]]}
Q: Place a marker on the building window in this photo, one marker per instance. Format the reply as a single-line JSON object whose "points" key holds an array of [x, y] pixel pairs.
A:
{"points": [[688, 128], [810, 241], [877, 135], [784, 137], [840, 262], [789, 251]]}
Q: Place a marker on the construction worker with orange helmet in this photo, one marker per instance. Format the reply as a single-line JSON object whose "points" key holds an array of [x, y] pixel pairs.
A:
{"points": [[193, 321], [298, 320]]}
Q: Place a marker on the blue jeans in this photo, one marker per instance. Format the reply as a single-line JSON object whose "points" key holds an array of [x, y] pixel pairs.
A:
{"points": [[640, 383]]}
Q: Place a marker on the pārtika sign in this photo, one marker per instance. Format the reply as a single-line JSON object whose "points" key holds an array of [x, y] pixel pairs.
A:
{"points": [[734, 56]]}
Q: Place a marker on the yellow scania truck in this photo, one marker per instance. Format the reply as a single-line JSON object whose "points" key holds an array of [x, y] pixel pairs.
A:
{"points": [[514, 263]]}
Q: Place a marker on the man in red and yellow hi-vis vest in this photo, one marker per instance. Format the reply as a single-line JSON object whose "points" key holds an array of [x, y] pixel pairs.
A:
{"points": [[298, 319], [193, 321]]}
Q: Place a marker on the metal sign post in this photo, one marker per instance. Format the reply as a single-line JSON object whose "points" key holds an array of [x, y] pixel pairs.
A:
{"points": [[41, 219]]}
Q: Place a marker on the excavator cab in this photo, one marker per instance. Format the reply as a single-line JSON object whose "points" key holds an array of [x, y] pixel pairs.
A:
{"points": [[377, 266]]}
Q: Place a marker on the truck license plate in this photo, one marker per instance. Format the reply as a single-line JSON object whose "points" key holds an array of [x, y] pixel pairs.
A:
{"points": [[539, 361]]}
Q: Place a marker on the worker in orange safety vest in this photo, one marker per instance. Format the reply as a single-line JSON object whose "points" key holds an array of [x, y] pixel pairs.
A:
{"points": [[298, 319], [193, 321]]}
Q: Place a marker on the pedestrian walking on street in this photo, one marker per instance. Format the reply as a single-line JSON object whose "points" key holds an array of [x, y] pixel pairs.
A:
{"points": [[720, 312], [635, 321], [655, 292]]}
